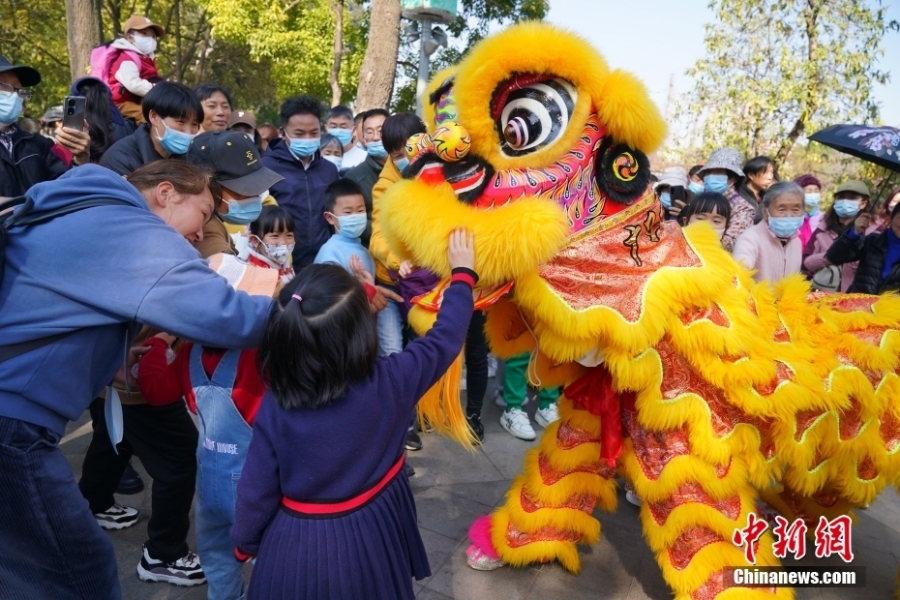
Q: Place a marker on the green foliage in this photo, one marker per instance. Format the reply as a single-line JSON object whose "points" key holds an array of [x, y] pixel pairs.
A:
{"points": [[296, 39], [475, 20], [776, 70], [33, 33]]}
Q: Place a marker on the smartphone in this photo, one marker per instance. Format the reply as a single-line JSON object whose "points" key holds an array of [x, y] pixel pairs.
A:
{"points": [[677, 192], [73, 112]]}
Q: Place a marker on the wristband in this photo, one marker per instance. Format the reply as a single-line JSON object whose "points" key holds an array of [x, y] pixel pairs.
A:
{"points": [[465, 275]]}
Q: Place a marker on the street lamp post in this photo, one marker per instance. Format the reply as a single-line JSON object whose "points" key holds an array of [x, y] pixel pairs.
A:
{"points": [[427, 13]]}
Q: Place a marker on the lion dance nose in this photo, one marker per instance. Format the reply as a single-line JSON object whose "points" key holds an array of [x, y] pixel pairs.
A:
{"points": [[450, 142]]}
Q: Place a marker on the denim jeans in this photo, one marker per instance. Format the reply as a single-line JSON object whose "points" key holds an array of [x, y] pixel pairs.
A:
{"points": [[51, 548], [390, 330], [213, 520]]}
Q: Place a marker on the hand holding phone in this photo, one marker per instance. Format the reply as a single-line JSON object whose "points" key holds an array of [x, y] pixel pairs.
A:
{"points": [[73, 112]]}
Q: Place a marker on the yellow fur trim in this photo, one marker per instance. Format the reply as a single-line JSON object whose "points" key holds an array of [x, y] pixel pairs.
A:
{"points": [[540, 48], [440, 406], [409, 220]]}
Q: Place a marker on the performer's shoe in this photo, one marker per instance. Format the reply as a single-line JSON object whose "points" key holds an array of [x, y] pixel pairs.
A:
{"points": [[480, 561]]}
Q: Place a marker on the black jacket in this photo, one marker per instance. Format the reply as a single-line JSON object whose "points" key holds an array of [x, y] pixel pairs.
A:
{"points": [[132, 152], [31, 162], [870, 251], [302, 193]]}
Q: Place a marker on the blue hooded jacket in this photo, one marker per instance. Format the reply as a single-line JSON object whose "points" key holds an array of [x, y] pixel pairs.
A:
{"points": [[98, 272], [302, 193]]}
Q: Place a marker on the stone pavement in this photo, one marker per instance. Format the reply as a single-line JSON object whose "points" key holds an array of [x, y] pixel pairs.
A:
{"points": [[452, 487]]}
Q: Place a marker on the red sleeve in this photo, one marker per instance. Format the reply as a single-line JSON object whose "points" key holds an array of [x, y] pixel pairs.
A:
{"points": [[249, 388], [163, 383]]}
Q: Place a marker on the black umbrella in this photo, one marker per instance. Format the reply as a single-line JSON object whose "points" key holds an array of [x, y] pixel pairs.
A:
{"points": [[879, 145], [875, 144]]}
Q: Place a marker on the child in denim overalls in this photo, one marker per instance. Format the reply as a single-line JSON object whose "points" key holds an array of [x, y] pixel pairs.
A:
{"points": [[224, 389]]}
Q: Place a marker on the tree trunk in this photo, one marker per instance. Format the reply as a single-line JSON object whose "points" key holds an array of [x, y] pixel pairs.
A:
{"points": [[82, 34], [338, 6], [809, 103], [376, 77]]}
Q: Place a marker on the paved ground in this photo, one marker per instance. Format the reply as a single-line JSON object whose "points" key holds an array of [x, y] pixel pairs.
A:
{"points": [[453, 487]]}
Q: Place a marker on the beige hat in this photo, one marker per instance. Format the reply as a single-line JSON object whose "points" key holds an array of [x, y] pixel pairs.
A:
{"points": [[672, 176], [139, 22], [256, 281]]}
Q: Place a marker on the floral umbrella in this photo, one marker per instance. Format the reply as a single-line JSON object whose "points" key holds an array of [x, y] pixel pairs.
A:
{"points": [[878, 145]]}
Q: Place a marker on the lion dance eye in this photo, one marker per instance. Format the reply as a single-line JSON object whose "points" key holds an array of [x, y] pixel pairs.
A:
{"points": [[533, 112]]}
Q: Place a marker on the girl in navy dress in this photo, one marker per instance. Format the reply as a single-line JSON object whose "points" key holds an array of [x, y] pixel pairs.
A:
{"points": [[323, 501]]}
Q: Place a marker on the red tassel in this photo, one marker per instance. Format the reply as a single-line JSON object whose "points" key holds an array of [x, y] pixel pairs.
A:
{"points": [[594, 393]]}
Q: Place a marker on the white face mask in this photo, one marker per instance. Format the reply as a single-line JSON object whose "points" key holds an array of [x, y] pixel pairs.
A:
{"points": [[279, 253], [144, 43], [335, 160]]}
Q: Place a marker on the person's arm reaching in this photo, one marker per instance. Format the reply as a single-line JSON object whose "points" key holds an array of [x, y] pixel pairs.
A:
{"points": [[425, 360]]}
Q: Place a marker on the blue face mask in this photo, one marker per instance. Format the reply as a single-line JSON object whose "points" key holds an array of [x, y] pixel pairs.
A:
{"points": [[716, 183], [343, 135], [10, 108], [174, 141], [665, 199], [304, 148], [242, 212], [785, 227], [376, 149], [846, 208], [695, 187], [401, 164], [352, 226], [812, 202]]}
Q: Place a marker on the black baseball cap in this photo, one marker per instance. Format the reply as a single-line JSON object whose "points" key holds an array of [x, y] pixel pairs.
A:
{"points": [[27, 76], [235, 161]]}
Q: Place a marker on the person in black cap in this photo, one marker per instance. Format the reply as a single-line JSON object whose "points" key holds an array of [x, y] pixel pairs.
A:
{"points": [[25, 158], [238, 184]]}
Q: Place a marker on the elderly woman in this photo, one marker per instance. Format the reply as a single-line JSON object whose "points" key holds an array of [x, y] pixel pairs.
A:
{"points": [[772, 246], [72, 291]]}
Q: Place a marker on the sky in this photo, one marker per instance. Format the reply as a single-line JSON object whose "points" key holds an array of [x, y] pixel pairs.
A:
{"points": [[658, 40]]}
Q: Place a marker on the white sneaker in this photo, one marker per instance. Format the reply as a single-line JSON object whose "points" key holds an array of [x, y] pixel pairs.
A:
{"points": [[499, 401], [480, 561], [117, 517], [517, 424], [186, 571], [545, 416]]}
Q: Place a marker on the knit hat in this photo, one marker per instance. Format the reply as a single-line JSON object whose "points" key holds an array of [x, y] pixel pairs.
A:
{"points": [[808, 179], [724, 158]]}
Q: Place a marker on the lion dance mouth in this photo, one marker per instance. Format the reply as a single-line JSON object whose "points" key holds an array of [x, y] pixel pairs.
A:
{"points": [[704, 390]]}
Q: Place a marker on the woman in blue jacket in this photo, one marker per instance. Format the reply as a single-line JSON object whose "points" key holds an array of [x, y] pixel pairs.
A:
{"points": [[89, 278]]}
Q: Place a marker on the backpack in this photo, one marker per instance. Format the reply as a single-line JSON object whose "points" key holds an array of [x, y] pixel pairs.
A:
{"points": [[18, 212], [103, 57]]}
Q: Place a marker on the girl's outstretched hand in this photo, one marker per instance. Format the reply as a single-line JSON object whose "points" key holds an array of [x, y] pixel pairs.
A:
{"points": [[461, 251]]}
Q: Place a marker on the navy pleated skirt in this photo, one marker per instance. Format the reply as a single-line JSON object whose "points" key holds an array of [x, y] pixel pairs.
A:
{"points": [[370, 554]]}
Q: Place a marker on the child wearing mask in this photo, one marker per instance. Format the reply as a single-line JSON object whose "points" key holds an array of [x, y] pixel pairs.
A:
{"points": [[772, 246], [708, 207], [133, 71], [345, 210], [224, 388], [272, 241], [331, 150], [323, 501], [812, 195]]}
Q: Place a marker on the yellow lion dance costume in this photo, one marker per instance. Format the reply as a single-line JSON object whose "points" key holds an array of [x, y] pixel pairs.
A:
{"points": [[703, 389]]}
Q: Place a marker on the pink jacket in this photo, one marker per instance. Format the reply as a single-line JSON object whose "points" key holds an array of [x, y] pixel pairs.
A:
{"points": [[758, 248], [809, 227], [814, 256]]}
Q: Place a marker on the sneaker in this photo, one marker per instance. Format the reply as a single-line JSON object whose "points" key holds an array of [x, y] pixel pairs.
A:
{"points": [[413, 441], [517, 424], [409, 470], [492, 366], [545, 416], [131, 482], [476, 425], [480, 561], [186, 571], [632, 498], [499, 401], [117, 517]]}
